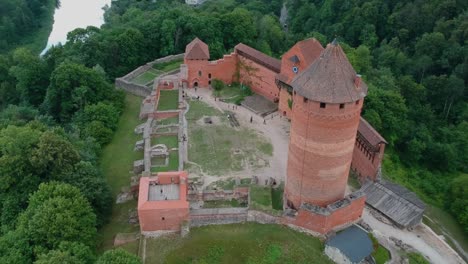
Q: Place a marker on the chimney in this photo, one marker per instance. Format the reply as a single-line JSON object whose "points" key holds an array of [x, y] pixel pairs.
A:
{"points": [[357, 80]]}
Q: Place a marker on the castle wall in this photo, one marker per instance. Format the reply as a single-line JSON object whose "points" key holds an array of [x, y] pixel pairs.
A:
{"points": [[162, 219], [283, 105], [366, 163], [320, 151], [328, 220], [200, 70], [259, 78]]}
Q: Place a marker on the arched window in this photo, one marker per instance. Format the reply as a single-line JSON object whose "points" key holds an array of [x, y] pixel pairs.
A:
{"points": [[199, 73]]}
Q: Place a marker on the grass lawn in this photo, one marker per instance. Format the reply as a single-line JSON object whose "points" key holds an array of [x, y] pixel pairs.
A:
{"points": [[116, 163], [260, 196], [212, 146], [237, 243], [223, 204], [168, 66], [224, 184], [277, 197], [173, 163], [416, 258], [169, 141], [169, 100], [381, 255], [169, 121], [146, 77]]}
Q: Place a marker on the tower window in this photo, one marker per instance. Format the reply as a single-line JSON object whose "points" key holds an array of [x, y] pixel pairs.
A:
{"points": [[199, 73], [209, 75], [341, 106], [163, 218], [323, 105], [305, 100]]}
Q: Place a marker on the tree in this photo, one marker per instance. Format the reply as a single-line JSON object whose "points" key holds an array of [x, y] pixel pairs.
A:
{"points": [[118, 256], [31, 75], [54, 156], [217, 84], [105, 113], [72, 87], [57, 212], [457, 199], [15, 249], [68, 252], [238, 27], [93, 186]]}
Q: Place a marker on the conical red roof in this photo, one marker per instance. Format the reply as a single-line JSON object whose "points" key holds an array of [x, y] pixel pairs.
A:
{"points": [[197, 50], [330, 79]]}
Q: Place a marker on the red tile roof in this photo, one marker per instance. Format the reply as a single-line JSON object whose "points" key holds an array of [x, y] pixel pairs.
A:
{"points": [[369, 133], [330, 79], [301, 56], [258, 57], [310, 50], [197, 50]]}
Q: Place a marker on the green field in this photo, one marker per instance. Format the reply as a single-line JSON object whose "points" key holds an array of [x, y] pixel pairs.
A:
{"points": [[169, 100], [146, 77], [173, 163], [214, 147], [169, 121], [238, 243], [168, 66], [116, 163], [169, 141]]}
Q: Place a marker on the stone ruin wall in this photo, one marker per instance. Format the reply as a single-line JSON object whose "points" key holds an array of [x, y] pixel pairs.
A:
{"points": [[124, 82]]}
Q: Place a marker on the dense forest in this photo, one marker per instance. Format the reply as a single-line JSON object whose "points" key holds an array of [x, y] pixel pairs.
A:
{"points": [[58, 111], [21, 18]]}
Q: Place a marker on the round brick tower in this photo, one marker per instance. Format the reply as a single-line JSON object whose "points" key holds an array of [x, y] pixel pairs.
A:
{"points": [[327, 101]]}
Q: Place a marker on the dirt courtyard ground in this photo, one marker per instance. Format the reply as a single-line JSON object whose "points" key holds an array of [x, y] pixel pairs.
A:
{"points": [[276, 131]]}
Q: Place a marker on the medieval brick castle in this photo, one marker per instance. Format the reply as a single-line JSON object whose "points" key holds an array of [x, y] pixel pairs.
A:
{"points": [[320, 92]]}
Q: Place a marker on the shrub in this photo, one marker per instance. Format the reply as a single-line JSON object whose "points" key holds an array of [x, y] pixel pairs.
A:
{"points": [[217, 84]]}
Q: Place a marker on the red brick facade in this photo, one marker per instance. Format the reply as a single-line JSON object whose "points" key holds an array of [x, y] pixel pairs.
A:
{"points": [[368, 152], [165, 214], [237, 66], [329, 220], [320, 151]]}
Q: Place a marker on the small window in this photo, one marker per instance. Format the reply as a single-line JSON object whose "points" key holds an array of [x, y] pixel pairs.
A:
{"points": [[209, 75], [357, 102], [341, 106], [163, 218], [305, 100], [323, 105], [209, 82], [199, 73]]}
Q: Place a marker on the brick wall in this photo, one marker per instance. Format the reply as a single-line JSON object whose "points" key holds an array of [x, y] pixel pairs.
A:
{"points": [[162, 219], [259, 78], [320, 151], [332, 220], [283, 105], [217, 216], [366, 165], [203, 71]]}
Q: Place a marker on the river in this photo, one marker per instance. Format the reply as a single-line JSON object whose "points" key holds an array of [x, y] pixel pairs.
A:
{"points": [[74, 14]]}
